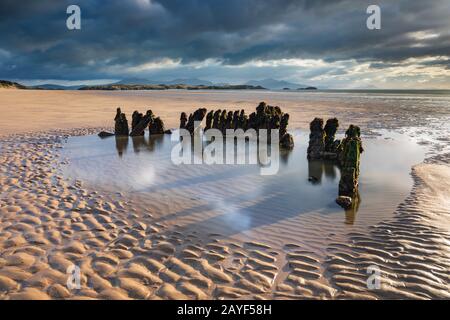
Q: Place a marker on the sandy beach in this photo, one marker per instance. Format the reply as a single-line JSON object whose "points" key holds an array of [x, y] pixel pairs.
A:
{"points": [[170, 244]]}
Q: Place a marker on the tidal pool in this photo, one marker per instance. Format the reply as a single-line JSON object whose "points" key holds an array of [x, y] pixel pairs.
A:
{"points": [[237, 199]]}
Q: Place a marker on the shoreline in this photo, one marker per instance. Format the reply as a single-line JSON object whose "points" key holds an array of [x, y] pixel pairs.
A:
{"points": [[72, 109]]}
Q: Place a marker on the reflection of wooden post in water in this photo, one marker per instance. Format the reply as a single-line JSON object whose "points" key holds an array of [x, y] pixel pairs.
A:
{"points": [[317, 168], [147, 142], [138, 143], [350, 213], [315, 171], [329, 168], [154, 141], [121, 144], [284, 155]]}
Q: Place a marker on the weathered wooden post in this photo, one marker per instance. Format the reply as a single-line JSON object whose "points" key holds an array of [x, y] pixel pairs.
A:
{"points": [[121, 124]]}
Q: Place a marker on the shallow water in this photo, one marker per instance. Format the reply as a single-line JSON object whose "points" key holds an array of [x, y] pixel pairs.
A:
{"points": [[235, 199]]}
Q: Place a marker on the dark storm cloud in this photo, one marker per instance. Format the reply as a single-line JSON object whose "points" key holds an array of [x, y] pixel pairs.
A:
{"points": [[117, 34]]}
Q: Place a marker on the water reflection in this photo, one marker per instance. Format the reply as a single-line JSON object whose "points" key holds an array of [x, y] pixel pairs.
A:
{"points": [[300, 187], [140, 143], [350, 214], [318, 168], [121, 145], [330, 170], [284, 156], [146, 143], [198, 149]]}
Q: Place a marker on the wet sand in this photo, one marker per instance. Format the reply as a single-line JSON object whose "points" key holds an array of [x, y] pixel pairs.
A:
{"points": [[48, 223], [41, 110]]}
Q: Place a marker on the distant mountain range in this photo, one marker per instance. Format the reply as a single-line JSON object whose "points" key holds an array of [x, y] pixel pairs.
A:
{"points": [[55, 87], [269, 83], [182, 83], [273, 84], [116, 86], [190, 82]]}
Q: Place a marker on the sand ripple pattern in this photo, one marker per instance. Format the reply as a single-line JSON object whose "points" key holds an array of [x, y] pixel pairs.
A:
{"points": [[48, 224], [410, 250]]}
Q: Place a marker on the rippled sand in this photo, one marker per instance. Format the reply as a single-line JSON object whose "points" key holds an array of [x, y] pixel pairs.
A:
{"points": [[48, 223]]}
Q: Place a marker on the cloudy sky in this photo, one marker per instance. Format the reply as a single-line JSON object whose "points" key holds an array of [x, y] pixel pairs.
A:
{"points": [[315, 42]]}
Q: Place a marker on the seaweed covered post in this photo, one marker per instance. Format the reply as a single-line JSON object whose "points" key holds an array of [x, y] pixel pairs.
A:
{"points": [[139, 123], [229, 122], [251, 123], [243, 119], [286, 139], [216, 119], [197, 116], [140, 127], [183, 120], [266, 117], [283, 124], [331, 144], [156, 126], [316, 145], [121, 124], [349, 157], [274, 123], [135, 119], [235, 123], [209, 120], [223, 121], [260, 118]]}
